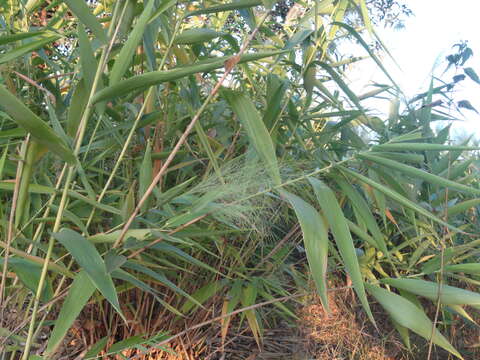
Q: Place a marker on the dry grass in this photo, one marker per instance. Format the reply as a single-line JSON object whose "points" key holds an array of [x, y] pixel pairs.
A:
{"points": [[345, 334]]}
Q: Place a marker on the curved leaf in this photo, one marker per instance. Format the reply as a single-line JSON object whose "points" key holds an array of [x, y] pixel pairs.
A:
{"points": [[448, 294], [81, 290], [24, 117], [410, 316], [315, 238], [343, 238], [143, 81], [90, 260], [256, 130]]}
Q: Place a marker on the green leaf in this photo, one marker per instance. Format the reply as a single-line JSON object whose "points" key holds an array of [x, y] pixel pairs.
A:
{"points": [[27, 48], [256, 130], [143, 81], [363, 211], [472, 74], [249, 295], [88, 60], [124, 59], [81, 10], [397, 197], [367, 48], [125, 276], [90, 260], [80, 292], [24, 117], [365, 16], [161, 278], [111, 237], [462, 207], [76, 108], [338, 79], [421, 147], [128, 343], [403, 157], [276, 89], [146, 176], [448, 159], [235, 5], [315, 238], [472, 268], [343, 238], [164, 6], [175, 251], [449, 295], [96, 348], [6, 39], [410, 316], [29, 274], [202, 295], [418, 173], [195, 36]]}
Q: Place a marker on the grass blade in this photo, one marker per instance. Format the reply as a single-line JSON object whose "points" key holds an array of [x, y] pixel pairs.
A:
{"points": [[128, 50], [236, 5], [397, 197], [81, 10], [418, 173], [363, 210], [90, 260], [256, 130], [450, 295], [343, 238], [421, 147], [195, 36], [24, 117], [88, 60], [410, 316], [315, 238], [27, 48], [472, 268], [141, 82], [80, 292]]}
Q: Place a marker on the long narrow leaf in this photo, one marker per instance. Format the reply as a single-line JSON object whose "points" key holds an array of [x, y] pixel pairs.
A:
{"points": [[343, 238], [448, 294], [256, 130], [418, 173], [157, 77], [90, 260], [81, 290], [315, 238], [235, 5], [81, 10], [128, 50], [410, 316], [24, 117], [27, 48], [397, 197]]}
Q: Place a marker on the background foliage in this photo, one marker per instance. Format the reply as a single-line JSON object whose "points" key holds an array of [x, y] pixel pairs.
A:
{"points": [[161, 158]]}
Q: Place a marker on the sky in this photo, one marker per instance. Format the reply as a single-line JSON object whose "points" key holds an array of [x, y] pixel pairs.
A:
{"points": [[420, 49]]}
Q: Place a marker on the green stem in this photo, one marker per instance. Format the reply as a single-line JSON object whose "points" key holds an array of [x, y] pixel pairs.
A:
{"points": [[228, 69], [68, 181], [132, 130]]}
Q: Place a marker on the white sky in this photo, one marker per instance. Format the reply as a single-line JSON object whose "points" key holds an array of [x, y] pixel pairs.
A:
{"points": [[422, 45]]}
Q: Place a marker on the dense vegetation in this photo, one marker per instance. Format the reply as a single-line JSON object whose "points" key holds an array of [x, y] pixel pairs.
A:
{"points": [[159, 158]]}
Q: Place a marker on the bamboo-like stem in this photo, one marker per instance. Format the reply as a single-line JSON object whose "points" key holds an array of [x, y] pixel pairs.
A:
{"points": [[71, 171], [132, 130], [229, 66], [11, 222]]}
